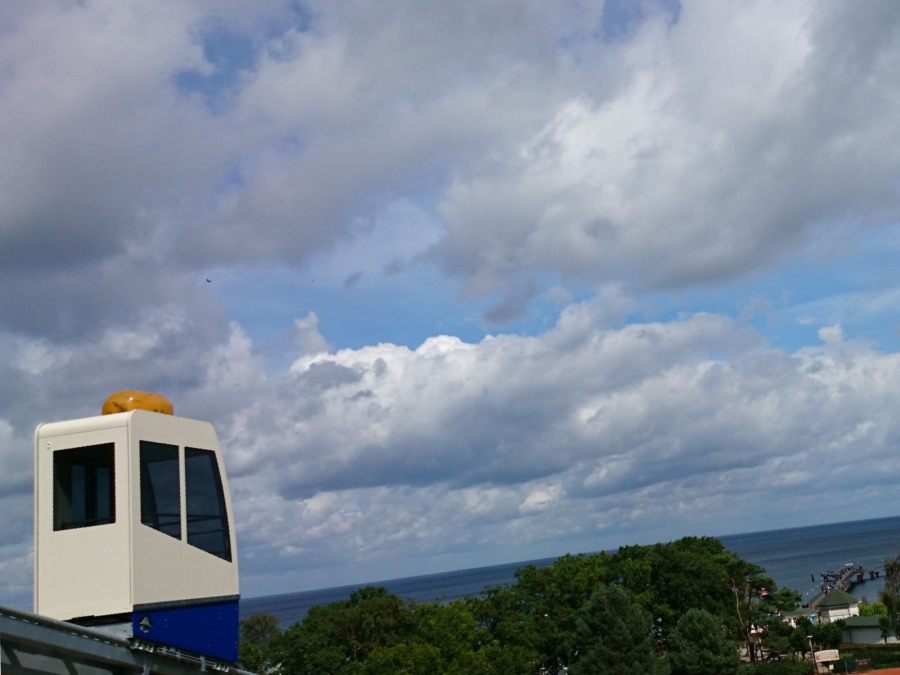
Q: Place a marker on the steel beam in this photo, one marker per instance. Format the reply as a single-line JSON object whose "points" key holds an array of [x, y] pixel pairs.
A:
{"points": [[36, 645]]}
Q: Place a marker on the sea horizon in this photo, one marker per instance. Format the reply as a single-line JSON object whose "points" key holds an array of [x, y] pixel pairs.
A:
{"points": [[789, 556]]}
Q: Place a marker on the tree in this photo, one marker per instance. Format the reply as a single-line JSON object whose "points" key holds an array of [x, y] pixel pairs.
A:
{"points": [[890, 594], [339, 637], [259, 640], [376, 633], [669, 579], [884, 624], [538, 623], [615, 637], [699, 646], [798, 642], [407, 658], [538, 613], [757, 600], [873, 609], [829, 635], [778, 637]]}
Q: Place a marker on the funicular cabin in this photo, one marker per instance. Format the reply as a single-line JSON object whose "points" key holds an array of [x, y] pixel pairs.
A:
{"points": [[133, 527]]}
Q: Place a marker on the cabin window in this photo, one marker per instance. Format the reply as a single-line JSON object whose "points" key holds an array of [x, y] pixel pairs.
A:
{"points": [[207, 517], [83, 487], [160, 488]]}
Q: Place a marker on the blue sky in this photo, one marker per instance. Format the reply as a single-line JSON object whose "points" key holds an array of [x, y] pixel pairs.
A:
{"points": [[466, 283], [837, 278], [856, 284]]}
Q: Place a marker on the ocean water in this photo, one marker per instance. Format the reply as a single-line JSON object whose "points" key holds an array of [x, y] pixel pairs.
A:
{"points": [[788, 555]]}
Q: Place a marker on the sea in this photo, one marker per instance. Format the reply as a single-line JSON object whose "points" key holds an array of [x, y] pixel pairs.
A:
{"points": [[789, 556]]}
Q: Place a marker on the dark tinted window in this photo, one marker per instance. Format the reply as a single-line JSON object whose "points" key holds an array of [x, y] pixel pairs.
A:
{"points": [[160, 488], [84, 487], [207, 518]]}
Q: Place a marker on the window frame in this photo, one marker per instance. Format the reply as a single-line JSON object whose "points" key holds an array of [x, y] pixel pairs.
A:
{"points": [[185, 517], [93, 462], [144, 473], [222, 501]]}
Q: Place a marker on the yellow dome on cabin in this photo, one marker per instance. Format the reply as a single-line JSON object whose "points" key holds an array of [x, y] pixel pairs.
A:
{"points": [[129, 399]]}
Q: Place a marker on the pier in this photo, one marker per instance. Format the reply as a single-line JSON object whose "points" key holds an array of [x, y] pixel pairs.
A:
{"points": [[844, 579]]}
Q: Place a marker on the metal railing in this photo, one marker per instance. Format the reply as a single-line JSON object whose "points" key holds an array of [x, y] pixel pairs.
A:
{"points": [[31, 644]]}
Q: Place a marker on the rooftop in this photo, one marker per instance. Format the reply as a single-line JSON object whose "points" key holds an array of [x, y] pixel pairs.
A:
{"points": [[837, 598], [863, 621]]}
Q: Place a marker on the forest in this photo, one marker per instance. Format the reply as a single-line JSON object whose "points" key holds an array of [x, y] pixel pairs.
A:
{"points": [[688, 607]]}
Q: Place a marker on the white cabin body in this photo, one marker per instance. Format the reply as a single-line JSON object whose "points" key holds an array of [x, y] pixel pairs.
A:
{"points": [[132, 514]]}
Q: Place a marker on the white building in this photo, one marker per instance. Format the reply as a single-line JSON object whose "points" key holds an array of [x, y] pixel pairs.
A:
{"points": [[836, 605]]}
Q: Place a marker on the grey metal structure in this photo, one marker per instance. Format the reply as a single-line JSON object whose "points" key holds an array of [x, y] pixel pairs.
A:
{"points": [[36, 645]]}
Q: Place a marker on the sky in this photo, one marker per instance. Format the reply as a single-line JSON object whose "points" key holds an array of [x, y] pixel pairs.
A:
{"points": [[461, 283]]}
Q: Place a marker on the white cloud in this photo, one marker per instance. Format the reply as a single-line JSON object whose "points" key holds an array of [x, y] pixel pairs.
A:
{"points": [[372, 458], [831, 334], [721, 145], [541, 499], [349, 457]]}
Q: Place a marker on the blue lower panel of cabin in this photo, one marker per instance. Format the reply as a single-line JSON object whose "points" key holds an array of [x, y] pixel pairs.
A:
{"points": [[211, 629]]}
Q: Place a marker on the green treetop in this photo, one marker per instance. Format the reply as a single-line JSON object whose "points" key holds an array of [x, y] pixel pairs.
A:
{"points": [[699, 646], [615, 637]]}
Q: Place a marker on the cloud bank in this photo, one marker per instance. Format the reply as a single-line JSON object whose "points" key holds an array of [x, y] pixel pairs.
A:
{"points": [[583, 435], [525, 152]]}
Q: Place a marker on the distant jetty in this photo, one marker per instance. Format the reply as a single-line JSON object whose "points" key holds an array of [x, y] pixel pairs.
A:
{"points": [[844, 579]]}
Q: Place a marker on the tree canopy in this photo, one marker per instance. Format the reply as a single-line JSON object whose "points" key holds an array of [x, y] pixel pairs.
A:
{"points": [[635, 601], [613, 636], [699, 646]]}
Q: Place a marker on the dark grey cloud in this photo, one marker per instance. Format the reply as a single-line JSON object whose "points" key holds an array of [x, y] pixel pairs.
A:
{"points": [[667, 155], [352, 280], [112, 158], [513, 305]]}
